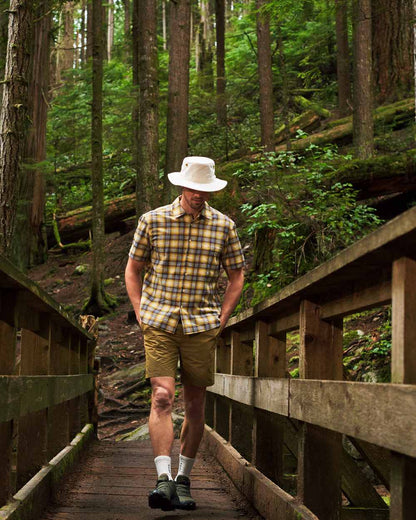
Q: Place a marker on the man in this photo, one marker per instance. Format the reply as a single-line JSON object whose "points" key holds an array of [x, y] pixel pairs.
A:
{"points": [[181, 248]]}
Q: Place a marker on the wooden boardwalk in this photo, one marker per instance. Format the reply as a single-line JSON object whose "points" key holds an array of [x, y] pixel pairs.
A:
{"points": [[113, 480]]}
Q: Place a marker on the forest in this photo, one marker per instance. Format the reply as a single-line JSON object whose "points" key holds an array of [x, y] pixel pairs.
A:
{"points": [[306, 107]]}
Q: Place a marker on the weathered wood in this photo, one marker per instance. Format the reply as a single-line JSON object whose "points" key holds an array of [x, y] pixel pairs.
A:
{"points": [[270, 354], [349, 408], [223, 357], [32, 429], [268, 499], [241, 356], [357, 513], [403, 469], [27, 394], [319, 454], [357, 487], [377, 457]]}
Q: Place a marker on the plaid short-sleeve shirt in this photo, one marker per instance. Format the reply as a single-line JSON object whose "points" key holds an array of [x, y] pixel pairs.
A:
{"points": [[184, 258]]}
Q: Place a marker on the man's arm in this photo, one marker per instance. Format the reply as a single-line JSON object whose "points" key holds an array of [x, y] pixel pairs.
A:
{"points": [[232, 294], [133, 277]]}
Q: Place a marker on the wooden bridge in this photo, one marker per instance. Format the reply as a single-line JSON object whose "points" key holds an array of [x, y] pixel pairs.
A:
{"points": [[281, 440]]}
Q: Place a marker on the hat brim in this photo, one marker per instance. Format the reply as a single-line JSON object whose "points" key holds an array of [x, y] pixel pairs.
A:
{"points": [[176, 178]]}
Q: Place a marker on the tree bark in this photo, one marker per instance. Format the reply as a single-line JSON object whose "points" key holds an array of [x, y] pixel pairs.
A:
{"points": [[110, 29], [221, 82], [127, 29], [206, 55], [343, 58], [148, 153], [363, 127], [265, 77], [14, 115], [29, 243], [392, 48], [98, 303], [178, 89]]}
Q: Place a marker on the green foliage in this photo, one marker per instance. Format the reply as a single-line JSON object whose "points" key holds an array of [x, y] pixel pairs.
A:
{"points": [[295, 217]]}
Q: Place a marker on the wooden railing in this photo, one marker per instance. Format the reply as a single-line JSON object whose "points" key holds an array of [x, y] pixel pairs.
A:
{"points": [[46, 382], [274, 420]]}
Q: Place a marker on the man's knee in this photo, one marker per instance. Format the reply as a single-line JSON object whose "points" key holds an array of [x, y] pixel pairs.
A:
{"points": [[162, 399]]}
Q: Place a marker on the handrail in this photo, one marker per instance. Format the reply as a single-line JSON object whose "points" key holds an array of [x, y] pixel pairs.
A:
{"points": [[263, 413], [46, 380]]}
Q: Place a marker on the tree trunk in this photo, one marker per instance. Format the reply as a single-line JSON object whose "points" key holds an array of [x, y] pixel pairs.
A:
{"points": [[4, 6], [363, 127], [148, 153], [206, 55], [110, 29], [140, 202], [99, 303], [82, 32], [221, 83], [14, 115], [164, 32], [88, 50], [392, 48], [29, 243], [178, 89], [127, 29], [265, 77], [343, 58]]}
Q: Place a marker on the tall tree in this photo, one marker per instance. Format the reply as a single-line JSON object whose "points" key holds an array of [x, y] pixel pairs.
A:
{"points": [[363, 127], [265, 76], [178, 87], [29, 244], [392, 48], [110, 29], [99, 302], [127, 28], [343, 58], [65, 55], [148, 147], [205, 45], [14, 115], [221, 82]]}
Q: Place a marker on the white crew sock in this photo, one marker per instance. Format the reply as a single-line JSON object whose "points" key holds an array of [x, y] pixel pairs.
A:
{"points": [[163, 463], [185, 466]]}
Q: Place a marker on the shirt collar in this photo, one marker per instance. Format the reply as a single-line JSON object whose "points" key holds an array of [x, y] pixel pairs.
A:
{"points": [[178, 211]]}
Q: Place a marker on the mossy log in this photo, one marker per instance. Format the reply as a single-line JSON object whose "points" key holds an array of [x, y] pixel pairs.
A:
{"points": [[394, 116], [306, 104], [307, 121], [395, 173], [76, 224]]}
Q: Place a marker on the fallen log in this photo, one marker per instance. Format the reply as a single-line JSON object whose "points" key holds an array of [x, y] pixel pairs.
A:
{"points": [[307, 122], [394, 116], [75, 225]]}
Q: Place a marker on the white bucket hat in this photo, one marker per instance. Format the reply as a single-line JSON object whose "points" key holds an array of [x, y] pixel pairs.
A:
{"points": [[197, 173]]}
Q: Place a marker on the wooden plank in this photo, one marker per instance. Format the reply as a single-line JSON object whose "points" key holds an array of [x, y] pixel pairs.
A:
{"points": [[348, 407], [403, 366], [283, 324], [270, 352], [359, 513], [268, 498], [58, 414], [361, 299], [357, 488], [27, 394], [377, 458], [223, 357], [319, 454], [241, 356], [32, 429], [264, 393], [7, 366]]}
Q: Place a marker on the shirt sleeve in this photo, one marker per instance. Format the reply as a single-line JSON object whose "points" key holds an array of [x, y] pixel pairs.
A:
{"points": [[232, 255], [140, 248]]}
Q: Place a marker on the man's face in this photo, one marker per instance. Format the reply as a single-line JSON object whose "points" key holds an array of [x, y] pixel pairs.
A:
{"points": [[194, 199]]}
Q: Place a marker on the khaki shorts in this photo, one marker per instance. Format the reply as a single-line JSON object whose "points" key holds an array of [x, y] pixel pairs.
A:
{"points": [[195, 351]]}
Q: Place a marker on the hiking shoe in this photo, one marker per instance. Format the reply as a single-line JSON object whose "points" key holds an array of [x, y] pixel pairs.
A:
{"points": [[164, 493], [183, 499]]}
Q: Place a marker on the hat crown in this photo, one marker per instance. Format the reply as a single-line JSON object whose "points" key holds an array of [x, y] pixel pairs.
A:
{"points": [[197, 173]]}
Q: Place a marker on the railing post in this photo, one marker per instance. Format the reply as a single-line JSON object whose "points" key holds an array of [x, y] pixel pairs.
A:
{"points": [[403, 364], [222, 405], [74, 368], [268, 428], [7, 366], [241, 416], [319, 456], [32, 429], [58, 415]]}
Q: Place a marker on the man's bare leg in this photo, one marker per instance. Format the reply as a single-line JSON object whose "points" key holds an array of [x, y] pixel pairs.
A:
{"points": [[160, 420], [193, 425]]}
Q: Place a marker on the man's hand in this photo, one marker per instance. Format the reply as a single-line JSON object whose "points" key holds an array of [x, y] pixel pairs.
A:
{"points": [[232, 294], [133, 277]]}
